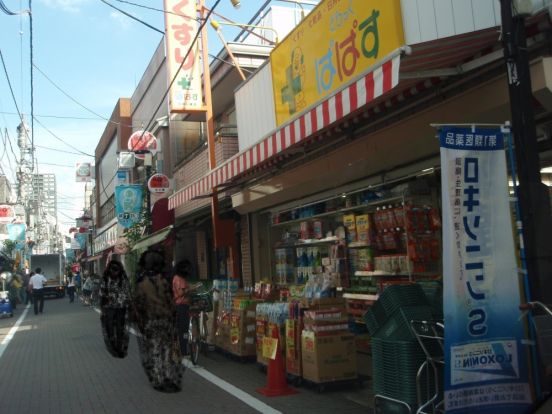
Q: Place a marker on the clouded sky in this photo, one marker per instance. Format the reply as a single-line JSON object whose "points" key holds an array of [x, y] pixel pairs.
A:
{"points": [[86, 55]]}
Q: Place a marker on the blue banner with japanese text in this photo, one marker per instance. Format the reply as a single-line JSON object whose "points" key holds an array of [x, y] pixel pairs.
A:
{"points": [[128, 204], [485, 359]]}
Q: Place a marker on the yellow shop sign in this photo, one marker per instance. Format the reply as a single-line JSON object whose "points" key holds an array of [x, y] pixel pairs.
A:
{"points": [[335, 44]]}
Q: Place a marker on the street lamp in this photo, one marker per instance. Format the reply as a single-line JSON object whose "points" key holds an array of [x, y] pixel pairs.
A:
{"points": [[236, 3]]}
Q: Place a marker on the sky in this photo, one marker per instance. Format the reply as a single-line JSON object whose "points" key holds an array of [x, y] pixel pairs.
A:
{"points": [[86, 56]]}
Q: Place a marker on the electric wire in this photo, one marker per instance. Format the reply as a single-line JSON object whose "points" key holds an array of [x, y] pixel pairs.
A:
{"points": [[159, 10], [61, 140], [10, 86], [57, 150], [132, 17], [103, 189], [31, 51]]}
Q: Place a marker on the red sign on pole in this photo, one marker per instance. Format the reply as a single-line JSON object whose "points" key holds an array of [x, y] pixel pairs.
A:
{"points": [[159, 183], [142, 141]]}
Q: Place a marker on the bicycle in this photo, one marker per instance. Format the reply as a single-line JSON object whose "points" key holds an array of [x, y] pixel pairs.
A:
{"points": [[200, 304]]}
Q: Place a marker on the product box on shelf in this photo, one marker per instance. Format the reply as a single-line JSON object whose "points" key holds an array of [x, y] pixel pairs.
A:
{"points": [[326, 321], [350, 224], [323, 303], [328, 358], [362, 222], [293, 347]]}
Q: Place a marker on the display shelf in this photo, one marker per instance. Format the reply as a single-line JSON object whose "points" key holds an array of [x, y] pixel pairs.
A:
{"points": [[309, 242], [378, 273], [373, 203], [360, 296], [356, 245]]}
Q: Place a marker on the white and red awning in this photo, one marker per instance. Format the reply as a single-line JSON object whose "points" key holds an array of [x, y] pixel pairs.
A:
{"points": [[375, 83]]}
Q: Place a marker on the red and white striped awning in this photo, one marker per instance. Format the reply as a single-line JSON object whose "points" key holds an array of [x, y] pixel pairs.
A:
{"points": [[375, 83]]}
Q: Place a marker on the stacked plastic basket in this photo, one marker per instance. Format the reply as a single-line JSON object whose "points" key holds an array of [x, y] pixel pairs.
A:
{"points": [[396, 353]]}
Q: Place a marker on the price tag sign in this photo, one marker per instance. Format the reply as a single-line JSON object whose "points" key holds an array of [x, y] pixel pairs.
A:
{"points": [[270, 347]]}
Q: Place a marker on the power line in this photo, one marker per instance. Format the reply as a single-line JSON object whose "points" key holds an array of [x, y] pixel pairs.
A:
{"points": [[69, 96], [10, 86], [55, 116], [134, 18], [31, 50], [167, 90], [159, 10], [59, 139], [57, 150]]}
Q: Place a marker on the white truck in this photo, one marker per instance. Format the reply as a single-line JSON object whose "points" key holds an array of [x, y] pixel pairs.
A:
{"points": [[52, 266]]}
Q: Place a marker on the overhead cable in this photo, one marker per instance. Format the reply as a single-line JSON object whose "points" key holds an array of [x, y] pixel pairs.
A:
{"points": [[61, 140], [159, 10], [193, 42], [134, 18]]}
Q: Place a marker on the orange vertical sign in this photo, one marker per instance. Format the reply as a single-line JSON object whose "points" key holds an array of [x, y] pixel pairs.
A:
{"points": [[183, 59]]}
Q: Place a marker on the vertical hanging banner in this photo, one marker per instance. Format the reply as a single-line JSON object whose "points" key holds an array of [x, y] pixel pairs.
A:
{"points": [[181, 27], [128, 204], [485, 361], [16, 232]]}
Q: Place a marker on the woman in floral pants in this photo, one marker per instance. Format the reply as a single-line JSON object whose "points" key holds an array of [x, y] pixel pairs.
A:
{"points": [[154, 313]]}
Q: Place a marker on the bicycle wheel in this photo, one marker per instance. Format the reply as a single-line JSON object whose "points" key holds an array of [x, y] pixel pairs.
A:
{"points": [[203, 332], [193, 339]]}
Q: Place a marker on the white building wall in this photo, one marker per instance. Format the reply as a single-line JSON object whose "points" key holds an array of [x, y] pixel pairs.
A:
{"points": [[255, 108]]}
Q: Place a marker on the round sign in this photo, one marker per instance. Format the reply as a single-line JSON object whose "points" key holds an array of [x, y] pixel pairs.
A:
{"points": [[159, 183], [142, 141], [83, 170], [7, 213]]}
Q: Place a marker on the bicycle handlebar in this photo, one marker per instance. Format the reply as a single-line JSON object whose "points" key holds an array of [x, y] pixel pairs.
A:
{"points": [[533, 305]]}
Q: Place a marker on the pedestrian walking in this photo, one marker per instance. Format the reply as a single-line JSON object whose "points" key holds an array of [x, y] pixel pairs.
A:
{"points": [[37, 282], [28, 288], [71, 288], [114, 305], [154, 314], [181, 273], [87, 290]]}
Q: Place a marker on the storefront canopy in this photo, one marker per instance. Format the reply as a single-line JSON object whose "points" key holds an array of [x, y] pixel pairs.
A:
{"points": [[153, 238], [396, 78]]}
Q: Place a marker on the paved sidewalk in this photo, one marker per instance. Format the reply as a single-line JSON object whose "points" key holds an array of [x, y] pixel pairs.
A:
{"points": [[57, 363]]}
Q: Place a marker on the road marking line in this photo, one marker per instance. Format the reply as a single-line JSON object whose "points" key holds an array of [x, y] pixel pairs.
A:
{"points": [[232, 390], [6, 341], [224, 385]]}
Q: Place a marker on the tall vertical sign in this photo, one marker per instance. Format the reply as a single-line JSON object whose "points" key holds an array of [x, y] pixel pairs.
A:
{"points": [[183, 59], [485, 361]]}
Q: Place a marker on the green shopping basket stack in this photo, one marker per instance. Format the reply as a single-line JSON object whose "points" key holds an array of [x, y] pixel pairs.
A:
{"points": [[396, 353]]}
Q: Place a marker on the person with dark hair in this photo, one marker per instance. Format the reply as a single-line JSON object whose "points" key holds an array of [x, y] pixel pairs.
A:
{"points": [[114, 305], [154, 314], [181, 291], [37, 283]]}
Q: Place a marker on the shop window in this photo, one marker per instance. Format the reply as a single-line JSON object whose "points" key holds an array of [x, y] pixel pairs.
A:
{"points": [[107, 210], [187, 138]]}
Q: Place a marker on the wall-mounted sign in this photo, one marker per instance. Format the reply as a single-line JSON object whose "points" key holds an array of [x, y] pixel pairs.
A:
{"points": [[84, 222], [159, 183], [184, 69], [126, 159], [16, 232], [7, 213], [84, 172], [142, 141], [335, 44]]}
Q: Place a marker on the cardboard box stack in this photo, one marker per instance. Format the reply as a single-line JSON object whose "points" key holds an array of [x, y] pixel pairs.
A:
{"points": [[236, 329], [328, 351]]}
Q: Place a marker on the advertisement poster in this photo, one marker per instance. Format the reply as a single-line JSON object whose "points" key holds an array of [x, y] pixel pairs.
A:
{"points": [[485, 360], [128, 204], [336, 43]]}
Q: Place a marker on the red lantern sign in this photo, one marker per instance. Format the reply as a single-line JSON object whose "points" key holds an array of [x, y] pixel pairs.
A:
{"points": [[159, 183]]}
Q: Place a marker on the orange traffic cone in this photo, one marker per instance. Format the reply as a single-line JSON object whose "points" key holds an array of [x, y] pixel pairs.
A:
{"points": [[277, 384]]}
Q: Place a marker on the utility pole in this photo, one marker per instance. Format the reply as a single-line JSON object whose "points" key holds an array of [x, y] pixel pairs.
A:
{"points": [[534, 200]]}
